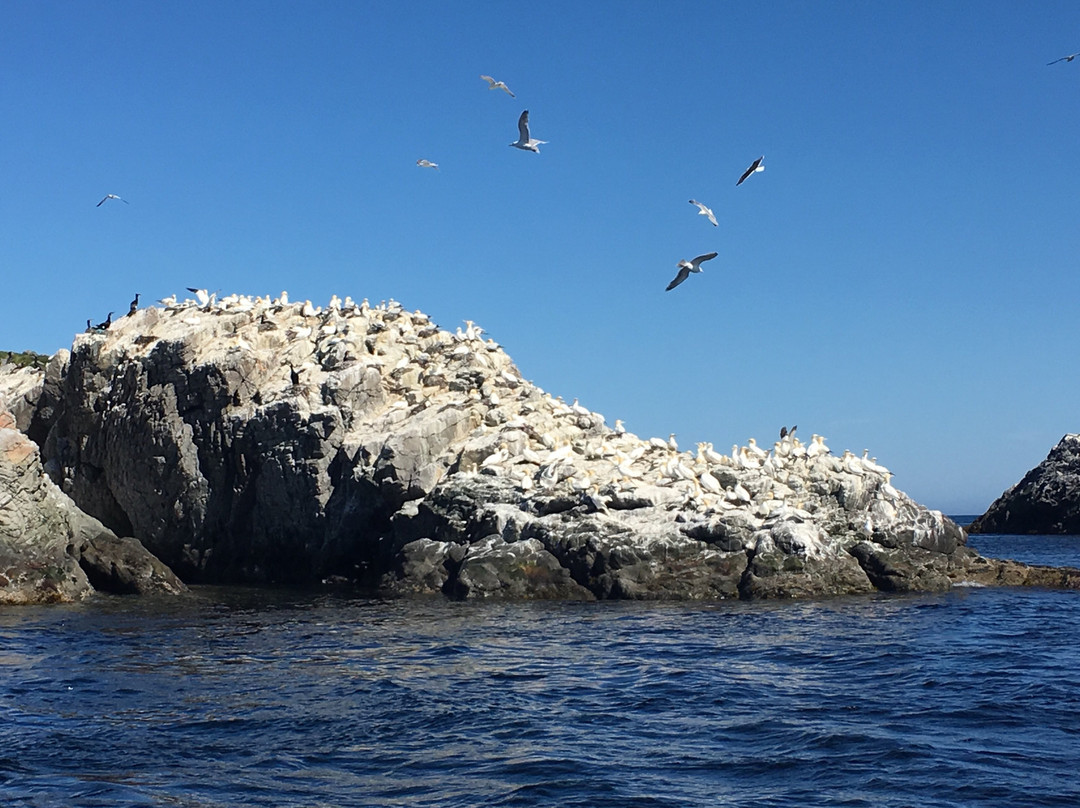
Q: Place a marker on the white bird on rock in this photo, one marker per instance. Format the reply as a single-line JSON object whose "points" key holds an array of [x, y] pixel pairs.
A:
{"points": [[686, 267], [524, 141], [703, 210], [497, 85]]}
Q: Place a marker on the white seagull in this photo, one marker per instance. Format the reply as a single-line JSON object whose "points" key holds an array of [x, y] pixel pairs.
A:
{"points": [[757, 165], [686, 267], [704, 211], [1068, 58], [107, 198], [497, 85], [427, 164], [524, 142]]}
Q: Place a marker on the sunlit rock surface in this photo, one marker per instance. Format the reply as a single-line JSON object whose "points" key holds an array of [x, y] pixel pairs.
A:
{"points": [[262, 440]]}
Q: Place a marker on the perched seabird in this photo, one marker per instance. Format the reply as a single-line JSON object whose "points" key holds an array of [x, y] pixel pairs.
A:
{"points": [[525, 142], [294, 376], [427, 164], [134, 305], [201, 295], [105, 325], [686, 267], [107, 198], [704, 211], [757, 165], [497, 85], [1068, 58]]}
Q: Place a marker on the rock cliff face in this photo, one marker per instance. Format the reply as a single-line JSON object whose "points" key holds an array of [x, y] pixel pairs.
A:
{"points": [[49, 549], [259, 440], [1045, 501]]}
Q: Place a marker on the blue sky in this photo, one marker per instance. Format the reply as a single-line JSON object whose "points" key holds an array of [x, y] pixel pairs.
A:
{"points": [[903, 277]]}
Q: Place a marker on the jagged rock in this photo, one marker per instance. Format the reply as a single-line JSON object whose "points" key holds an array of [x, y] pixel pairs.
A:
{"points": [[1046, 501], [257, 440], [52, 551]]}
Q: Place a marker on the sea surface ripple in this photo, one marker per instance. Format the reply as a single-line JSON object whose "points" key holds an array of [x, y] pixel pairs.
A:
{"points": [[232, 697]]}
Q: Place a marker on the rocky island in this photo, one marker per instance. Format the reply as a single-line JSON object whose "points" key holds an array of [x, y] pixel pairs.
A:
{"points": [[260, 440], [1046, 501]]}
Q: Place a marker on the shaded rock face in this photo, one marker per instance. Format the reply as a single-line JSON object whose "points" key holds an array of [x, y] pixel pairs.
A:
{"points": [[1045, 501], [49, 549], [257, 440]]}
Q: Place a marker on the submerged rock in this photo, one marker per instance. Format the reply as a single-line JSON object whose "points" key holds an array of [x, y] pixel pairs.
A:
{"points": [[1046, 501], [257, 440]]}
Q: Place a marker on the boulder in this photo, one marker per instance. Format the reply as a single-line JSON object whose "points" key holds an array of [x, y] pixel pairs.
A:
{"points": [[49, 549], [1046, 501], [256, 440]]}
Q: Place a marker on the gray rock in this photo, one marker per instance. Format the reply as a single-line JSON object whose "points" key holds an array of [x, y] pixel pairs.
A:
{"points": [[1046, 501], [49, 549], [418, 460]]}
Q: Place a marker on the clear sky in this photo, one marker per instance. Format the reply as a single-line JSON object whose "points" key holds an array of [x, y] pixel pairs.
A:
{"points": [[902, 278]]}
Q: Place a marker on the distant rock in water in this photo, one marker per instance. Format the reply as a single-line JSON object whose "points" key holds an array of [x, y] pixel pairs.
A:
{"points": [[256, 440], [1046, 501]]}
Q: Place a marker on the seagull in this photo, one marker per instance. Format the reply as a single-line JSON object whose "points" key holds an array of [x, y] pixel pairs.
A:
{"points": [[1068, 58], [427, 164], [686, 267], [704, 211], [107, 198], [524, 142], [497, 85], [757, 165]]}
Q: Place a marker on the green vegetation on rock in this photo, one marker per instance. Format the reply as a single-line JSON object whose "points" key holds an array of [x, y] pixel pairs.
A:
{"points": [[25, 359]]}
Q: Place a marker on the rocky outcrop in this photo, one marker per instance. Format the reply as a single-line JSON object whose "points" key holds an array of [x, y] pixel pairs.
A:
{"points": [[1045, 501], [52, 551], [257, 440]]}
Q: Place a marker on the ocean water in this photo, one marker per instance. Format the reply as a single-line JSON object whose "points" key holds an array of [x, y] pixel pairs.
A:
{"points": [[230, 697]]}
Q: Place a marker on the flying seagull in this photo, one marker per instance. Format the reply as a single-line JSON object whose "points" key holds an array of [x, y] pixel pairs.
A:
{"points": [[524, 142], [704, 211], [757, 165], [427, 164], [1068, 58], [107, 198], [497, 85], [686, 267]]}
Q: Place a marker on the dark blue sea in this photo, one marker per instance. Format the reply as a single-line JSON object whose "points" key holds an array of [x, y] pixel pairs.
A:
{"points": [[229, 697]]}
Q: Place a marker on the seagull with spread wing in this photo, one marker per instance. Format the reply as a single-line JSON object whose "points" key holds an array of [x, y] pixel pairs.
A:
{"points": [[525, 142], [497, 85], [757, 165], [427, 164], [1068, 58], [686, 267], [107, 198], [703, 210]]}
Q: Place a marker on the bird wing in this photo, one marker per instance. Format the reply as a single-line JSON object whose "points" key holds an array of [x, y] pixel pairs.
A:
{"points": [[490, 81], [523, 127], [102, 202], [701, 258], [507, 90], [749, 171], [684, 273], [1064, 59], [712, 218]]}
